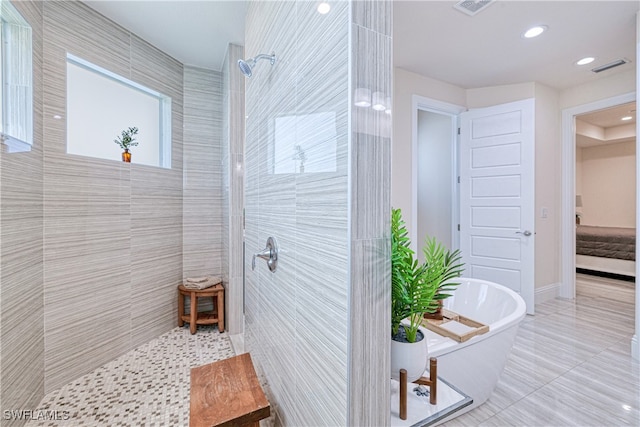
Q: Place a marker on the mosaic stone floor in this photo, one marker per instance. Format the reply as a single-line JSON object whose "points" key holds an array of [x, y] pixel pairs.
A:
{"points": [[148, 386]]}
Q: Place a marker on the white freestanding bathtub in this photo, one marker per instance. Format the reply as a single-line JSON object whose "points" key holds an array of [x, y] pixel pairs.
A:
{"points": [[475, 366]]}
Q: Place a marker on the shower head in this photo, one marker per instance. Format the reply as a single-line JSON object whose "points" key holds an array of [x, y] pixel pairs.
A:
{"points": [[246, 66]]}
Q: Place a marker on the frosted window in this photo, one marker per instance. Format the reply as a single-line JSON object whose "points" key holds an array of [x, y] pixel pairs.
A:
{"points": [[16, 116], [101, 104]]}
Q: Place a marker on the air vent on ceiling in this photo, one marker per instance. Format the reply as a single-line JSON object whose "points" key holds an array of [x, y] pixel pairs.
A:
{"points": [[610, 65], [471, 7]]}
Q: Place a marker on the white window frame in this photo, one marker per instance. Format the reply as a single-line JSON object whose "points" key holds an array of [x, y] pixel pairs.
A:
{"points": [[164, 102], [16, 66]]}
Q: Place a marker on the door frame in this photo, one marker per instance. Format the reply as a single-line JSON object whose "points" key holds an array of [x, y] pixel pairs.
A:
{"points": [[421, 103], [568, 283]]}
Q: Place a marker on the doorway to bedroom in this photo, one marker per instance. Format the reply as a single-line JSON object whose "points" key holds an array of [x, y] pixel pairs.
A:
{"points": [[605, 203]]}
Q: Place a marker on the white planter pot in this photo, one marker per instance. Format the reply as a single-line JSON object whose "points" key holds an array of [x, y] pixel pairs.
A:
{"points": [[409, 356]]}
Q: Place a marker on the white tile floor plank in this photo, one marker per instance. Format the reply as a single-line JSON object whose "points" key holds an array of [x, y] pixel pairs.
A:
{"points": [[571, 364]]}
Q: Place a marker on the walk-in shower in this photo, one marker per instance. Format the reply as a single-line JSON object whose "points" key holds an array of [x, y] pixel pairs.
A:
{"points": [[246, 66]]}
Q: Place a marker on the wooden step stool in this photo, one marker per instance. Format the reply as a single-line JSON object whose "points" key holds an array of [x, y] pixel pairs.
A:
{"points": [[195, 318], [227, 393]]}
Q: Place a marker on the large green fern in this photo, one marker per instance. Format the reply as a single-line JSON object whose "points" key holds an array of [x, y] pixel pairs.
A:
{"points": [[416, 288]]}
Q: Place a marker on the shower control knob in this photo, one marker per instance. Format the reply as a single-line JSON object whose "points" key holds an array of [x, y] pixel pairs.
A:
{"points": [[269, 254]]}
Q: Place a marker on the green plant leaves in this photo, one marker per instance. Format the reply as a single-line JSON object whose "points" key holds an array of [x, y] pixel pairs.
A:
{"points": [[416, 288], [126, 139]]}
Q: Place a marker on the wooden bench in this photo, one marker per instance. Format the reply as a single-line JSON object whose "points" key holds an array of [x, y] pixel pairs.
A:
{"points": [[227, 393]]}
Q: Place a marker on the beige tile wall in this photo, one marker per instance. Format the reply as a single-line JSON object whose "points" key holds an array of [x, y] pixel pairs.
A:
{"points": [[21, 254], [319, 325], [297, 318], [91, 250], [112, 231], [370, 290], [202, 208]]}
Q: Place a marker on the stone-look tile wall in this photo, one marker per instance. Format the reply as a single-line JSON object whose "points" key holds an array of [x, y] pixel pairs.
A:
{"points": [[203, 174], [91, 250], [370, 291], [233, 187], [319, 325], [297, 317], [21, 253], [112, 231]]}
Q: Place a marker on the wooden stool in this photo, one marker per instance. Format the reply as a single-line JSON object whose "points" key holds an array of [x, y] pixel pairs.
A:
{"points": [[227, 393], [203, 318]]}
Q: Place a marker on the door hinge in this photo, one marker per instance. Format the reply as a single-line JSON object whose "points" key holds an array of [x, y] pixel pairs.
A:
{"points": [[458, 131], [458, 179], [458, 227]]}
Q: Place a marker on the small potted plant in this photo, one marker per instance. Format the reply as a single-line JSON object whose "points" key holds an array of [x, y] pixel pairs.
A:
{"points": [[126, 140], [414, 292]]}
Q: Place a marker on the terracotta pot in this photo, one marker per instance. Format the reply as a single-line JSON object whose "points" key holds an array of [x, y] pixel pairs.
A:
{"points": [[126, 156], [409, 356]]}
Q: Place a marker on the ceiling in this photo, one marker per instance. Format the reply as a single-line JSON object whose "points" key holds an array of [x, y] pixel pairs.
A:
{"points": [[193, 32], [434, 39], [611, 117], [612, 128], [431, 38]]}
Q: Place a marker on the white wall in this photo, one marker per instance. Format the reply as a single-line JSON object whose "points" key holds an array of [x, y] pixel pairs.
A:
{"points": [[494, 95], [607, 87], [608, 185], [407, 84], [548, 191], [435, 177], [579, 176], [549, 105]]}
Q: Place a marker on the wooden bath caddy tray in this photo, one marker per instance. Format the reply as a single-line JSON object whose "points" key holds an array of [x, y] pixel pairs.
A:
{"points": [[461, 331]]}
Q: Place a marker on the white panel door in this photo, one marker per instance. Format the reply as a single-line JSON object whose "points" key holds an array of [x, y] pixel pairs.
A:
{"points": [[497, 210]]}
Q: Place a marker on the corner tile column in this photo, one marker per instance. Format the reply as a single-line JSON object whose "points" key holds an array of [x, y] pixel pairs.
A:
{"points": [[370, 276]]}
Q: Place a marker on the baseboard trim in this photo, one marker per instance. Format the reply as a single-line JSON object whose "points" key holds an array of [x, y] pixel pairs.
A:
{"points": [[547, 293]]}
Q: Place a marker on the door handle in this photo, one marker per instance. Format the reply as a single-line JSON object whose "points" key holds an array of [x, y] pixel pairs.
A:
{"points": [[269, 254], [525, 233]]}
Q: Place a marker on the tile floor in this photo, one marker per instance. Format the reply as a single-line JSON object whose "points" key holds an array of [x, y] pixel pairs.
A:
{"points": [[148, 386], [570, 366]]}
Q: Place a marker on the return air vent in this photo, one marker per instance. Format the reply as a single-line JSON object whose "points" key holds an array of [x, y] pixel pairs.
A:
{"points": [[610, 65], [471, 7]]}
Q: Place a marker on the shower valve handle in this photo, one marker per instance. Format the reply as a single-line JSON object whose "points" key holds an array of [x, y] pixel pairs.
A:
{"points": [[269, 254]]}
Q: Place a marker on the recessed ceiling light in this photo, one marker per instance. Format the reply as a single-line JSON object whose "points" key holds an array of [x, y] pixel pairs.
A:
{"points": [[324, 8], [534, 31], [625, 118], [585, 61]]}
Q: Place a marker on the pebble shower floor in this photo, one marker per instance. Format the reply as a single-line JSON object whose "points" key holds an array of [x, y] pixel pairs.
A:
{"points": [[148, 386]]}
